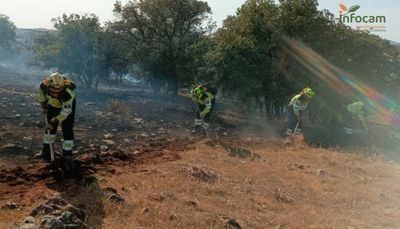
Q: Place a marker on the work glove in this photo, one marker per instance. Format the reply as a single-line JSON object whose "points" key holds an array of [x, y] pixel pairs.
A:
{"points": [[202, 114]]}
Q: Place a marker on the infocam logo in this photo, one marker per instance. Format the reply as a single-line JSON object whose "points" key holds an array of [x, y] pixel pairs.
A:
{"points": [[369, 22]]}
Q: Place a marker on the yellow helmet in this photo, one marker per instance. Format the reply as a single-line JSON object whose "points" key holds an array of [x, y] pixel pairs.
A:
{"points": [[198, 91], [308, 92], [56, 81]]}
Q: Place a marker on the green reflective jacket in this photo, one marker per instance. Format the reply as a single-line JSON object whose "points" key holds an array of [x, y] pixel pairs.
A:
{"points": [[205, 100]]}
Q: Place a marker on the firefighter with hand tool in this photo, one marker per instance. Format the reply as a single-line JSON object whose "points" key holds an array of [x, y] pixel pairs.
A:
{"points": [[57, 100], [204, 97], [295, 109], [355, 116]]}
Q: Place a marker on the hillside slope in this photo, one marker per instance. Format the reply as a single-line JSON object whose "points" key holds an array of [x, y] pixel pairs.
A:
{"points": [[143, 169]]}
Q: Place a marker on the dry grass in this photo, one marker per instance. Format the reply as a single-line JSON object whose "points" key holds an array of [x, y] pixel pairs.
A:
{"points": [[294, 188], [116, 107], [91, 200], [120, 110], [286, 187], [198, 173]]}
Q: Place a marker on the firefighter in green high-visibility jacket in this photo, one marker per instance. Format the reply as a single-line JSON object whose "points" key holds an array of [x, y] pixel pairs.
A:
{"points": [[57, 100], [204, 97], [295, 109], [355, 116]]}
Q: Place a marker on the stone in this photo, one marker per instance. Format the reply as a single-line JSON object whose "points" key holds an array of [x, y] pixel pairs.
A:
{"points": [[27, 138], [29, 219], [108, 135], [68, 218], [78, 212], [29, 226], [138, 120], [52, 223], [112, 195], [57, 201], [321, 172], [144, 135], [42, 209], [109, 142], [230, 223], [10, 206]]}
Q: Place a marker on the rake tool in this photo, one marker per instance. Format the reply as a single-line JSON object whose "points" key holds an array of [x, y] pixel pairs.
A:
{"points": [[205, 129], [295, 129]]}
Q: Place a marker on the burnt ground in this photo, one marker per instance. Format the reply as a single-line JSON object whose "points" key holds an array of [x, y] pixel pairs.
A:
{"points": [[140, 146]]}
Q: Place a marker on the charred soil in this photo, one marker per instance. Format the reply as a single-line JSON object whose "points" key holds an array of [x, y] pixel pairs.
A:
{"points": [[139, 166]]}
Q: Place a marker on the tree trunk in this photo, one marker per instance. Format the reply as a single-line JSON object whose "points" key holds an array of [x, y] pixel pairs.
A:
{"points": [[175, 87], [267, 105], [156, 86], [89, 81], [259, 106], [97, 82], [174, 81]]}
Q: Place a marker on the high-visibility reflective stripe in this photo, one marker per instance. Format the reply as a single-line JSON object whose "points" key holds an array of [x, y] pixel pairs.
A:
{"points": [[289, 131], [208, 105], [297, 104], [49, 138], [66, 109], [197, 122], [68, 145], [65, 112]]}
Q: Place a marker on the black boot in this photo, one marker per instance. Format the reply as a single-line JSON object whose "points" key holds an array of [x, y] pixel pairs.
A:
{"points": [[68, 163], [197, 130], [67, 153], [46, 153]]}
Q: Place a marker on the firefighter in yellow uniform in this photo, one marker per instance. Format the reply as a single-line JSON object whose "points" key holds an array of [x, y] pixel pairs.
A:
{"points": [[57, 100], [204, 99], [295, 109], [355, 115]]}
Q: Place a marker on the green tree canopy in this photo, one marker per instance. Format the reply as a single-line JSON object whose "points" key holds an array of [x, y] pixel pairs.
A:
{"points": [[7, 34], [269, 51], [157, 34], [77, 47]]}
